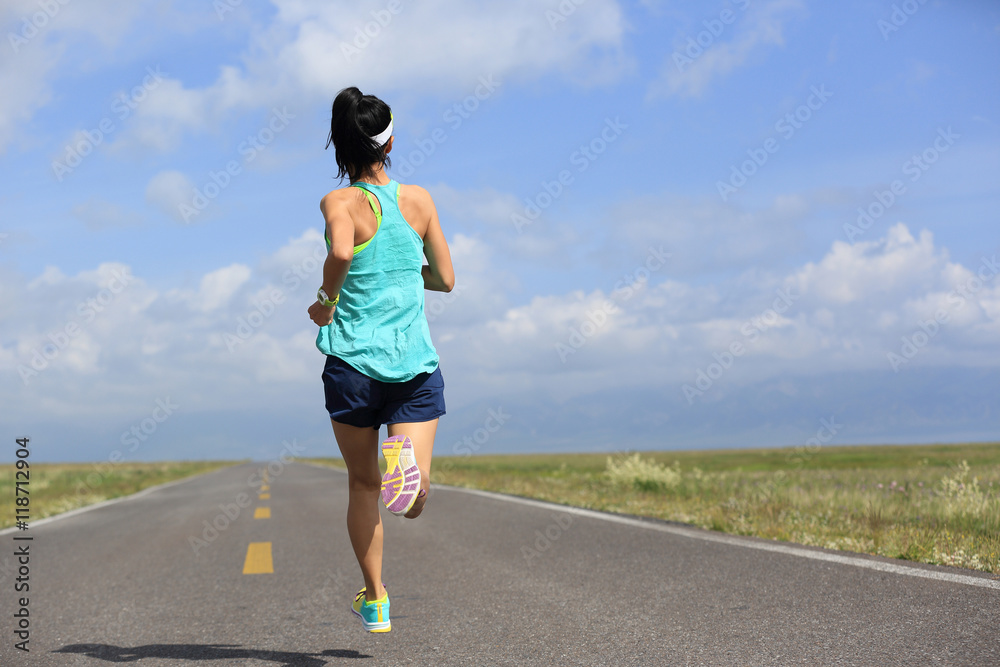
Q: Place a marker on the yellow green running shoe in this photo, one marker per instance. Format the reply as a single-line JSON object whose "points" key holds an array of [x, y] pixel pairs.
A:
{"points": [[401, 481], [374, 615]]}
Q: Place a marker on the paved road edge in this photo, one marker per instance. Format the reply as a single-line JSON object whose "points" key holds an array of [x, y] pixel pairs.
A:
{"points": [[112, 501]]}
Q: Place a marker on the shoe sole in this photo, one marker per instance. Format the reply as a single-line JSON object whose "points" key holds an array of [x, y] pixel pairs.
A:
{"points": [[401, 482], [372, 627]]}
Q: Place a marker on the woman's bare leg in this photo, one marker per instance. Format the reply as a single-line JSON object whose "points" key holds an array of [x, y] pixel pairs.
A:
{"points": [[359, 447], [421, 434]]}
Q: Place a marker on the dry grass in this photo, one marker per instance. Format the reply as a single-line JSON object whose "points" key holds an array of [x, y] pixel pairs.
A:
{"points": [[59, 487]]}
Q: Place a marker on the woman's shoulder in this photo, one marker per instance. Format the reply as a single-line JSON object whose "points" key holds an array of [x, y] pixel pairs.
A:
{"points": [[341, 197], [412, 188], [416, 195]]}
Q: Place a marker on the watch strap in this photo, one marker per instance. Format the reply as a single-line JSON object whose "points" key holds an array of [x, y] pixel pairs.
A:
{"points": [[324, 299]]}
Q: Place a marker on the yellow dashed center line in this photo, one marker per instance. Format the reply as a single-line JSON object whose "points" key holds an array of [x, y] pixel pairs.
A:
{"points": [[258, 560]]}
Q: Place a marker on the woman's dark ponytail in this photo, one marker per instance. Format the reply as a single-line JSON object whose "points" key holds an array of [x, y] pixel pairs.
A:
{"points": [[354, 119]]}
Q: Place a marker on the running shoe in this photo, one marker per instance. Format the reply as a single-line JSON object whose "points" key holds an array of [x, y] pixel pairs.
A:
{"points": [[401, 482], [374, 615]]}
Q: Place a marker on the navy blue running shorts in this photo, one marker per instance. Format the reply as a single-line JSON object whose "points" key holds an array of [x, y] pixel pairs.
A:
{"points": [[354, 398]]}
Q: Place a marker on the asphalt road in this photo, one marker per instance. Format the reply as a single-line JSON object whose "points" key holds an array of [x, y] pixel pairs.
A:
{"points": [[476, 580]]}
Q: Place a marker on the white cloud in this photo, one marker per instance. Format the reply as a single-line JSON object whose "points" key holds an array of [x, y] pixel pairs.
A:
{"points": [[308, 52], [447, 48], [481, 288], [892, 267], [714, 236], [242, 340], [169, 111], [299, 257], [167, 190], [487, 214], [40, 40], [219, 286], [844, 312], [481, 205], [23, 80], [690, 74], [103, 342], [420, 46]]}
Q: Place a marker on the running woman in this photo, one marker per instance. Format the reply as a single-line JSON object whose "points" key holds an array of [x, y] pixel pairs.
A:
{"points": [[381, 366]]}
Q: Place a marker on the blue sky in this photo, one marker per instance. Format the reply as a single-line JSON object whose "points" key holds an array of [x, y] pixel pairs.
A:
{"points": [[653, 210]]}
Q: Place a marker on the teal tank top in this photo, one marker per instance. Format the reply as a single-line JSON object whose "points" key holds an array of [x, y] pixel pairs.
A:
{"points": [[379, 326]]}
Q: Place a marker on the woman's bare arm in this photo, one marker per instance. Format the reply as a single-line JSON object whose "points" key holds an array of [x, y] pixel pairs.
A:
{"points": [[340, 231], [439, 275]]}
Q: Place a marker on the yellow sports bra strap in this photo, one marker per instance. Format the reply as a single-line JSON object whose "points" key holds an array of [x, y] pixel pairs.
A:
{"points": [[371, 201]]}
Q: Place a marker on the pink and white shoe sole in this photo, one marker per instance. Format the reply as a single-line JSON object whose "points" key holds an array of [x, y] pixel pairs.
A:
{"points": [[401, 482]]}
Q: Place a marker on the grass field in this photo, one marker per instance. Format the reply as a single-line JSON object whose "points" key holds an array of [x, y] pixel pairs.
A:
{"points": [[928, 503], [54, 488]]}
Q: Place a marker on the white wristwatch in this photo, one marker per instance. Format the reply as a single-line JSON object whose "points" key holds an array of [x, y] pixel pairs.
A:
{"points": [[324, 299]]}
